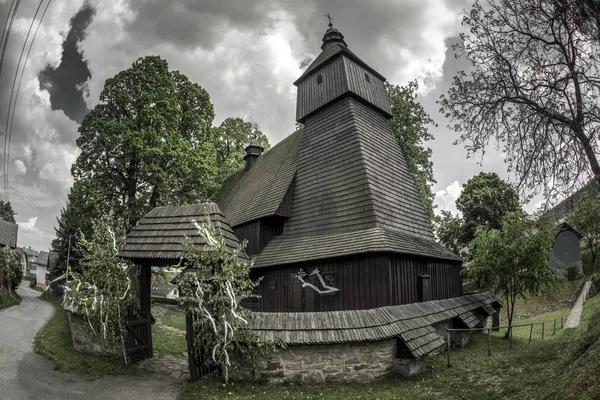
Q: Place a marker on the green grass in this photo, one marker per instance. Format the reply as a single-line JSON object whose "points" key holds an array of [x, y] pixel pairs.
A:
{"points": [[175, 318], [527, 371], [555, 299], [54, 342], [9, 301], [165, 341]]}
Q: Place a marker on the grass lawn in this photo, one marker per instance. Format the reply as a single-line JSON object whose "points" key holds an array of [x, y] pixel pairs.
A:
{"points": [[8, 301], [527, 371], [167, 341], [54, 342], [174, 317]]}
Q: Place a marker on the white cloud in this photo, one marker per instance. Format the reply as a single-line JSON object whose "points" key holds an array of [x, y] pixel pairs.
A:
{"points": [[31, 235], [20, 167], [445, 199]]}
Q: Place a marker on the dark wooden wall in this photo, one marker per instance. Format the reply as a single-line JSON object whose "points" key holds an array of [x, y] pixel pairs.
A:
{"points": [[368, 281], [445, 278], [259, 233]]}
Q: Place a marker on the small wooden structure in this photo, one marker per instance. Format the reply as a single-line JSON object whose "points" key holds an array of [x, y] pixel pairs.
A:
{"points": [[157, 241], [566, 251]]}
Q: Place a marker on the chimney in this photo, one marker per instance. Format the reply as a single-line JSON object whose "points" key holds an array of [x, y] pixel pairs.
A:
{"points": [[253, 151]]}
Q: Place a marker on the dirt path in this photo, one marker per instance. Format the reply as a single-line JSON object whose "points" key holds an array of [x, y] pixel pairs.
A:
{"points": [[26, 375]]}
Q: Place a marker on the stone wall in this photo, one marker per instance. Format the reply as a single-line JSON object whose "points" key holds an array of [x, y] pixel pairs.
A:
{"points": [[85, 341], [348, 362]]}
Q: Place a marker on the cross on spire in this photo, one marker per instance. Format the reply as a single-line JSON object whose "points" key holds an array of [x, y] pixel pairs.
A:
{"points": [[330, 20]]}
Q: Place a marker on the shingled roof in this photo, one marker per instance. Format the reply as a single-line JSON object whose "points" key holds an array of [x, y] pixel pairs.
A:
{"points": [[352, 196], [160, 235], [259, 191], [8, 234], [412, 322]]}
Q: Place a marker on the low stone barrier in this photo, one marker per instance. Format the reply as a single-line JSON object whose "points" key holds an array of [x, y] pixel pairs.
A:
{"points": [[84, 340]]}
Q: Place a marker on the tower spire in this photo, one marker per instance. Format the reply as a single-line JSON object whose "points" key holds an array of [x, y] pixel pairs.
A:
{"points": [[330, 20]]}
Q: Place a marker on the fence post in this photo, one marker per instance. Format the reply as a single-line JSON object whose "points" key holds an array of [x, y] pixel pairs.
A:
{"points": [[489, 346], [510, 337], [530, 332], [554, 331], [561, 323], [448, 345], [543, 328]]}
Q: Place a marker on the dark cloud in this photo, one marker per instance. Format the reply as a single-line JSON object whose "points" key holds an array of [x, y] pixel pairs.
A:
{"points": [[63, 82]]}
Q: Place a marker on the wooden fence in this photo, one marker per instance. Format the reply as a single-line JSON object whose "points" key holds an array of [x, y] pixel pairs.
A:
{"points": [[510, 330]]}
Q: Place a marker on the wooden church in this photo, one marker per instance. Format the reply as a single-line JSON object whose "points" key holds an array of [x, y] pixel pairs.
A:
{"points": [[331, 213]]}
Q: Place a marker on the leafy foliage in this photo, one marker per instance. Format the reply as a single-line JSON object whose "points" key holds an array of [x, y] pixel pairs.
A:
{"points": [[409, 124], [10, 267], [6, 212], [148, 141], [513, 260], [448, 229], [230, 140], [483, 202], [84, 206], [532, 90], [586, 218], [103, 292], [211, 288]]}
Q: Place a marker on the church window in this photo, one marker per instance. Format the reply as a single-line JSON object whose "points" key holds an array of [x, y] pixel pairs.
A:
{"points": [[367, 77], [319, 79]]}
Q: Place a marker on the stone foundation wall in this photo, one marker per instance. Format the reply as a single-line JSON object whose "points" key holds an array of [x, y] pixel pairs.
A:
{"points": [[85, 341], [348, 362]]}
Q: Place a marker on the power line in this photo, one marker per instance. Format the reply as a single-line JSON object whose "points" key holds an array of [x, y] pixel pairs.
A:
{"points": [[4, 47], [7, 133], [6, 21]]}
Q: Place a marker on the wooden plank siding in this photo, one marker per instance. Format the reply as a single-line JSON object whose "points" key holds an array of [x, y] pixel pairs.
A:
{"points": [[312, 96], [259, 233], [373, 91], [365, 282], [445, 281]]}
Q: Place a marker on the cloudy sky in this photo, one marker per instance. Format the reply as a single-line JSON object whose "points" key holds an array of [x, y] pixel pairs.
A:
{"points": [[246, 54]]}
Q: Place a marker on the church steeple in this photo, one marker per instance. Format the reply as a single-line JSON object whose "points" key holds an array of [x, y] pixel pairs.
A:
{"points": [[332, 36], [337, 73]]}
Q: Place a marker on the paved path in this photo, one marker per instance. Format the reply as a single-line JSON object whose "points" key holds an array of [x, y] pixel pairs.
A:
{"points": [[25, 375], [575, 315]]}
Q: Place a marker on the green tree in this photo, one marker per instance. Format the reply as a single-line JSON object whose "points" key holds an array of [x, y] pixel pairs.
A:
{"points": [[6, 212], [230, 140], [10, 267], [532, 89], [84, 206], [148, 142], [409, 124], [586, 217], [513, 260], [484, 201], [448, 229]]}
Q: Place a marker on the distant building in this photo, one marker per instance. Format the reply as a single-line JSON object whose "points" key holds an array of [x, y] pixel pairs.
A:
{"points": [[566, 252], [39, 268], [164, 292]]}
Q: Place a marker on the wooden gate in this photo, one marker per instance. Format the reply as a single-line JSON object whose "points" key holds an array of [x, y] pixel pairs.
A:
{"points": [[138, 342], [200, 362]]}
